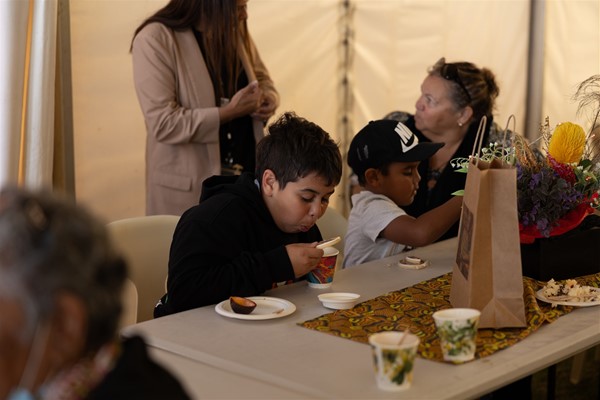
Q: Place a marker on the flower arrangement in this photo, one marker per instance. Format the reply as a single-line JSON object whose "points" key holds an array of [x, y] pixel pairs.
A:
{"points": [[558, 186]]}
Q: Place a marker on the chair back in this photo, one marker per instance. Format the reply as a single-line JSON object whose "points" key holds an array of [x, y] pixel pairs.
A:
{"points": [[145, 243], [130, 304], [332, 224]]}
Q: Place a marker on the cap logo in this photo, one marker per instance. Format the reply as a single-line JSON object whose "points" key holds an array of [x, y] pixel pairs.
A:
{"points": [[407, 138], [365, 152]]}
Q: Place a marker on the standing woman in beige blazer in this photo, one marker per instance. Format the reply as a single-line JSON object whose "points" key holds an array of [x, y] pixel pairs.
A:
{"points": [[205, 95]]}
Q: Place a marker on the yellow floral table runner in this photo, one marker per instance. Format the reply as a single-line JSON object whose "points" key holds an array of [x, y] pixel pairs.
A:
{"points": [[411, 308]]}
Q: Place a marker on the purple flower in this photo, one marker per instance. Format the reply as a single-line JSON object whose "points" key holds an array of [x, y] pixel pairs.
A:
{"points": [[535, 180], [543, 198]]}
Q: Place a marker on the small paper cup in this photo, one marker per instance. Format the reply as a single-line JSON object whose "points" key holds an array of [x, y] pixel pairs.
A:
{"points": [[457, 330], [393, 361], [321, 276]]}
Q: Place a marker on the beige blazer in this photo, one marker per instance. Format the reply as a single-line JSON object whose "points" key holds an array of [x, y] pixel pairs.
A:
{"points": [[176, 96]]}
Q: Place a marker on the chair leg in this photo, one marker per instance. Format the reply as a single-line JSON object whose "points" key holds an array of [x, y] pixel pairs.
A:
{"points": [[577, 367], [551, 392]]}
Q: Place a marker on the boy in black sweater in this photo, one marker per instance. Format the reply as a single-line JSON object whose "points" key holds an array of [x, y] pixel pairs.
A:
{"points": [[252, 232]]}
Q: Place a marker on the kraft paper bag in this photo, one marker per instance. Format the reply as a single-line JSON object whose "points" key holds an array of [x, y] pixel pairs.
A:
{"points": [[487, 274]]}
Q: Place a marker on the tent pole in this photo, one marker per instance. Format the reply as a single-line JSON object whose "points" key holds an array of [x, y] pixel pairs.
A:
{"points": [[535, 70]]}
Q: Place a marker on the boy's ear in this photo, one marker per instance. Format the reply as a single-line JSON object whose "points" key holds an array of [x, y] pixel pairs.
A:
{"points": [[268, 182], [372, 177]]}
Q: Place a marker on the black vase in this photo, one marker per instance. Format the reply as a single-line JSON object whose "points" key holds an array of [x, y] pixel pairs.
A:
{"points": [[572, 254]]}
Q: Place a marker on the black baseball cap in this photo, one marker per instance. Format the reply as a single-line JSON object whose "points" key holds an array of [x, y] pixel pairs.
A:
{"points": [[383, 141]]}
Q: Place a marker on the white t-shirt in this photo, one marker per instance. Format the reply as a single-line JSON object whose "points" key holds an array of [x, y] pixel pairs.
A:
{"points": [[370, 214]]}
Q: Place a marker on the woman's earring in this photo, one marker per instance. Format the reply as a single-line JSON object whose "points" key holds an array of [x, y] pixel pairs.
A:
{"points": [[460, 123]]}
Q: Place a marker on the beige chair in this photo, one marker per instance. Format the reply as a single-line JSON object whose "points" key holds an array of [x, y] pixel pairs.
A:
{"points": [[130, 304], [333, 224], [145, 243]]}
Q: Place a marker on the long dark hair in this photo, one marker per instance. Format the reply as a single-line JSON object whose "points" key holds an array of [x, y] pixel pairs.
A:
{"points": [[220, 28]]}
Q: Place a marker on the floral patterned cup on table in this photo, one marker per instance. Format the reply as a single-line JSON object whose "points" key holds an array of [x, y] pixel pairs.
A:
{"points": [[321, 277], [457, 330], [393, 357]]}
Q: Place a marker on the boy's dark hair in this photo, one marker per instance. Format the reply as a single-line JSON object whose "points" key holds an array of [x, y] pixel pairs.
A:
{"points": [[384, 169], [295, 148]]}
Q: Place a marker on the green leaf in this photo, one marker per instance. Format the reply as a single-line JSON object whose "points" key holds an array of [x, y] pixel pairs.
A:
{"points": [[459, 193]]}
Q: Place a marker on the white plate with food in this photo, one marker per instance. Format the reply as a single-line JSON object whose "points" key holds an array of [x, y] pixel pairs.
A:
{"points": [[563, 300], [266, 308]]}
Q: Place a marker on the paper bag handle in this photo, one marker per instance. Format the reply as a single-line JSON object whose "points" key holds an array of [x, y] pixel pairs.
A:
{"points": [[479, 138], [504, 142]]}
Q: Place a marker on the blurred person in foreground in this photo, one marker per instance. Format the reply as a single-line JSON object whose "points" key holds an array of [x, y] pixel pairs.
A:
{"points": [[60, 303]]}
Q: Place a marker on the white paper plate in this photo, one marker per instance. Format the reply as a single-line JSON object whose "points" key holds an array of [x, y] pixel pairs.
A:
{"points": [[266, 308], [540, 295]]}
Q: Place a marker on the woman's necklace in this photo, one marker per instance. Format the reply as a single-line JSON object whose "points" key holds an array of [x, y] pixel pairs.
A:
{"points": [[438, 162], [433, 175]]}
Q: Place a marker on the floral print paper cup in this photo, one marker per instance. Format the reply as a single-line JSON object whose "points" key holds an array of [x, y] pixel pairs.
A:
{"points": [[457, 330], [321, 277], [393, 357]]}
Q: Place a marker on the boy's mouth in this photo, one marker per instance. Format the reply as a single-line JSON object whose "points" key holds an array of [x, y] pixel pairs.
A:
{"points": [[304, 228]]}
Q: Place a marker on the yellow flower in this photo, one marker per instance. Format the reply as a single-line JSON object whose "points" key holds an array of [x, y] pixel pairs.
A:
{"points": [[567, 143]]}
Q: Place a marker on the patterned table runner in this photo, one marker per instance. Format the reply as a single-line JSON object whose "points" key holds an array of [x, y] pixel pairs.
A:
{"points": [[411, 309]]}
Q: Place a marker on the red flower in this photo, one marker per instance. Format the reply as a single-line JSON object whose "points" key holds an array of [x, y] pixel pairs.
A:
{"points": [[565, 171]]}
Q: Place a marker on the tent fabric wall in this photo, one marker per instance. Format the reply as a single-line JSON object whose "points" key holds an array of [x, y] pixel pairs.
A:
{"points": [[398, 41], [109, 133], [393, 43], [572, 54]]}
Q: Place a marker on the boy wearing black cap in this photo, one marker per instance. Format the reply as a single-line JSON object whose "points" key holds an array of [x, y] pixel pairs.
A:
{"points": [[385, 156]]}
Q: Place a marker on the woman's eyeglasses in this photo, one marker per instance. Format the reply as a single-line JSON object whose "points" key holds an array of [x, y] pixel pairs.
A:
{"points": [[450, 73]]}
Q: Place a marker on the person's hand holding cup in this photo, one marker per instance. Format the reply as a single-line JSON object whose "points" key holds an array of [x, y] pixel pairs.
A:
{"points": [[321, 277], [457, 330]]}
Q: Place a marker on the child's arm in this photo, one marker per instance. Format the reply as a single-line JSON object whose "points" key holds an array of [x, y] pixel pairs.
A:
{"points": [[425, 229]]}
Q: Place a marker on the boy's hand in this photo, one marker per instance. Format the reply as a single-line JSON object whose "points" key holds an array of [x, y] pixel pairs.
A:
{"points": [[304, 257]]}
